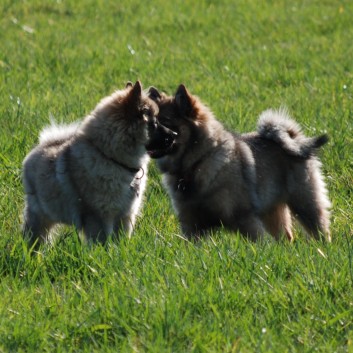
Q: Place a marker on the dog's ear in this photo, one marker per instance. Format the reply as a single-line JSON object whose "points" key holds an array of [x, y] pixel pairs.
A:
{"points": [[128, 84], [136, 91], [154, 94], [184, 101]]}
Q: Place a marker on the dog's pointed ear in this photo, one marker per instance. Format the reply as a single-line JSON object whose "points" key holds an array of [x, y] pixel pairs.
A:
{"points": [[154, 94], [184, 100], [137, 88], [136, 91], [128, 84]]}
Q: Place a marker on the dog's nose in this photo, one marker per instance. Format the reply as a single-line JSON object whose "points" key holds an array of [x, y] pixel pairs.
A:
{"points": [[169, 139]]}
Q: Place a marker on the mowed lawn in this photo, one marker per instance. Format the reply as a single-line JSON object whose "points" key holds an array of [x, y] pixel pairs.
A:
{"points": [[156, 292]]}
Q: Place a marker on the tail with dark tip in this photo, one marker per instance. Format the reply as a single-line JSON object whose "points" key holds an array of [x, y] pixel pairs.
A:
{"points": [[276, 125]]}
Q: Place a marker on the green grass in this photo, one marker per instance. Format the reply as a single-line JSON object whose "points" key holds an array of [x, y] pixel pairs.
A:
{"points": [[155, 292]]}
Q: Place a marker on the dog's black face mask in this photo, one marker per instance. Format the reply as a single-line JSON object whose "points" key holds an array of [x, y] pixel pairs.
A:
{"points": [[161, 140]]}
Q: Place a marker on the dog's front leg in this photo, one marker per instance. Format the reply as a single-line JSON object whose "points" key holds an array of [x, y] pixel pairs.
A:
{"points": [[251, 227]]}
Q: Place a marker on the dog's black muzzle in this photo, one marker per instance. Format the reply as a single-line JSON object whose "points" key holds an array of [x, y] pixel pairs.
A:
{"points": [[161, 140]]}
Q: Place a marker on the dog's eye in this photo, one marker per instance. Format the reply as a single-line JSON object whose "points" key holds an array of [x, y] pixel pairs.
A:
{"points": [[164, 120], [147, 114], [153, 123]]}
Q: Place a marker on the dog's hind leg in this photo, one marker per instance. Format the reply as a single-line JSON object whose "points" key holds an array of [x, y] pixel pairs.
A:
{"points": [[313, 217], [35, 227], [251, 226], [278, 221], [309, 202]]}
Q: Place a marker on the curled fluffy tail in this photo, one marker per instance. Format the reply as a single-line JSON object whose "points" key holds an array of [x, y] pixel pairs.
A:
{"points": [[55, 133], [276, 125]]}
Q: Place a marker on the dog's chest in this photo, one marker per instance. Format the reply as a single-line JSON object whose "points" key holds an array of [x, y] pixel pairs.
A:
{"points": [[115, 192], [182, 186], [186, 184]]}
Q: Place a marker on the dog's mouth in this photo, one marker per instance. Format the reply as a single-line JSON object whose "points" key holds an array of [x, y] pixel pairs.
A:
{"points": [[156, 153], [161, 142]]}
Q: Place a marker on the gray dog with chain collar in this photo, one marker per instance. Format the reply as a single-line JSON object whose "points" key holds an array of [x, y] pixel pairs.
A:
{"points": [[93, 174]]}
